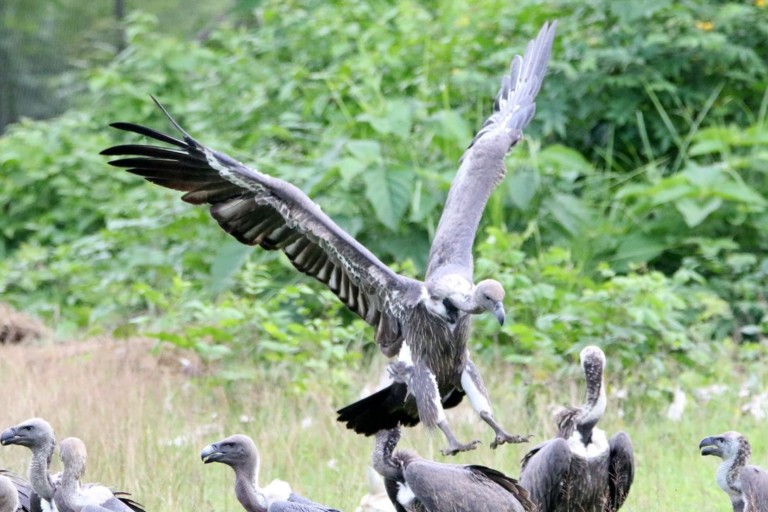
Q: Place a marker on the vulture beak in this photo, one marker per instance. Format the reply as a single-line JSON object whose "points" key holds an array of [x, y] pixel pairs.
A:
{"points": [[210, 453], [8, 437], [709, 447], [498, 312]]}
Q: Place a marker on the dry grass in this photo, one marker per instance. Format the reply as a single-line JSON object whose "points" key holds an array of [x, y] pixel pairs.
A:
{"points": [[145, 419]]}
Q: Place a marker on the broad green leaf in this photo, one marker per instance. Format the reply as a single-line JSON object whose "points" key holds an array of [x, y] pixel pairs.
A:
{"points": [[522, 187], [695, 212], [570, 212], [229, 259], [389, 192]]}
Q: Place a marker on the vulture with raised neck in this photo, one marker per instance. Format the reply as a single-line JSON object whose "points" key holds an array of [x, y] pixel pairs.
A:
{"points": [[38, 435], [580, 469], [72, 496], [24, 497], [420, 485], [425, 323], [746, 485], [240, 453]]}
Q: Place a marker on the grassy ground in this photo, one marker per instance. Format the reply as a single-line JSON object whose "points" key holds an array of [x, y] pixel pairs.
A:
{"points": [[145, 420]]}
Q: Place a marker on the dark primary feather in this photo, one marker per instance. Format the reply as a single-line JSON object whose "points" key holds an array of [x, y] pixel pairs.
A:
{"points": [[388, 408], [262, 210]]}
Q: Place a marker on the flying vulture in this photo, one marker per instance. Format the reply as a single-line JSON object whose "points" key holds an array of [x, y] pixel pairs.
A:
{"points": [[746, 485], [580, 469], [419, 485], [424, 323], [239, 452]]}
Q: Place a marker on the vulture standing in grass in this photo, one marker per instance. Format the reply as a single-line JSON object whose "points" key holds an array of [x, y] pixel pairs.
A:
{"points": [[25, 498], [425, 323], [239, 452], [9, 496], [71, 496], [746, 485], [580, 470], [418, 485], [38, 435]]}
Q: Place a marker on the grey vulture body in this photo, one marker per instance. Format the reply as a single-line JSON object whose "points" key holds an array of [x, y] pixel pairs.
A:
{"points": [[9, 496], [580, 470], [38, 435], [71, 495], [746, 485], [26, 498], [419, 485], [240, 453], [424, 323]]}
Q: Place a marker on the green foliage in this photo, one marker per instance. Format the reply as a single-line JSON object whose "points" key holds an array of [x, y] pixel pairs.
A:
{"points": [[637, 79], [652, 245], [648, 322]]}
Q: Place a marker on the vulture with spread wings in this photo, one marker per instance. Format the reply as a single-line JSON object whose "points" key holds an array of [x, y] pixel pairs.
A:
{"points": [[424, 323]]}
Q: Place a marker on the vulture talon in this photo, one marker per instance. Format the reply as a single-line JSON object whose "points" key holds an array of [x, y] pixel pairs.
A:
{"points": [[504, 438], [455, 448]]}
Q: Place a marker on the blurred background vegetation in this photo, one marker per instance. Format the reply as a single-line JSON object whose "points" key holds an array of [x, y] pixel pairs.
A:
{"points": [[635, 215]]}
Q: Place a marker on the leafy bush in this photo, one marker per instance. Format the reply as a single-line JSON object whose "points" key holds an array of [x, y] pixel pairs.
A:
{"points": [[658, 256]]}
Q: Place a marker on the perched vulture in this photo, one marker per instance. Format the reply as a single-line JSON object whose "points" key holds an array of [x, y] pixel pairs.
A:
{"points": [[25, 500], [239, 452], [746, 485], [425, 323], [38, 435], [580, 470], [419, 485], [9, 496], [72, 496]]}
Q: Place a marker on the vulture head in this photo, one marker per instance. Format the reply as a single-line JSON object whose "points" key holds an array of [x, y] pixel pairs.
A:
{"points": [[727, 445], [593, 362], [34, 433], [73, 456], [234, 451], [489, 296]]}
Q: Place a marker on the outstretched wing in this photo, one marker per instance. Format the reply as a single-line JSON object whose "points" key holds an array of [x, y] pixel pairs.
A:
{"points": [[258, 209], [621, 471], [482, 166]]}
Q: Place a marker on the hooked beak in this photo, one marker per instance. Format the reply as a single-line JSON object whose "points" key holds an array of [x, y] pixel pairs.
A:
{"points": [[708, 447], [210, 453], [8, 437], [498, 312]]}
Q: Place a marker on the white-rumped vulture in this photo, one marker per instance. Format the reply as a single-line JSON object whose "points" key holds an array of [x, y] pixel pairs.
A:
{"points": [[419, 485], [240, 453], [580, 470], [424, 323], [38, 435], [25, 499], [71, 495], [746, 485]]}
